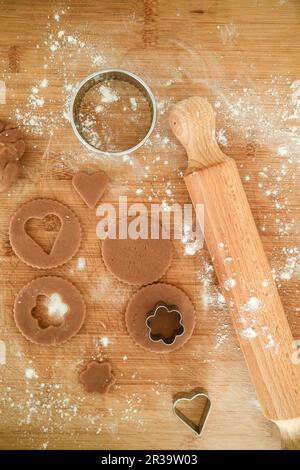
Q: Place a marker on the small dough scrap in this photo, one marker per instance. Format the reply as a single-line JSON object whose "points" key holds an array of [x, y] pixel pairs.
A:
{"points": [[12, 148], [97, 377], [30, 325], [144, 301], [90, 187], [28, 250]]}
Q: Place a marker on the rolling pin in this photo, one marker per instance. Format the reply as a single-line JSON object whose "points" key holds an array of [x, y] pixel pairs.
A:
{"points": [[241, 266]]}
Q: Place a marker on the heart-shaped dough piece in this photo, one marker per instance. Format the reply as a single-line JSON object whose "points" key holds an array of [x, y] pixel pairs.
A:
{"points": [[90, 187]]}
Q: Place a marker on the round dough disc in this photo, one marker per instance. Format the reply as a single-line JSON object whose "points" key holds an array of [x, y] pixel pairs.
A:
{"points": [[144, 301], [137, 262]]}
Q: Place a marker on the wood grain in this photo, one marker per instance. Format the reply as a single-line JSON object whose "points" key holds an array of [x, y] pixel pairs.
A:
{"points": [[181, 48]]}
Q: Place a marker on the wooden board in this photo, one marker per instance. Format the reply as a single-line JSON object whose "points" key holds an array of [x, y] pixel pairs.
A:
{"points": [[244, 58]]}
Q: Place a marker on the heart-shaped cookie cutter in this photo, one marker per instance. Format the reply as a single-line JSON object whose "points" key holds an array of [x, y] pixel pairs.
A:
{"points": [[190, 396]]}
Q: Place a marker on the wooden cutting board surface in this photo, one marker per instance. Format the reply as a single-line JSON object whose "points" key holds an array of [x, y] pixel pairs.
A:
{"points": [[244, 57]]}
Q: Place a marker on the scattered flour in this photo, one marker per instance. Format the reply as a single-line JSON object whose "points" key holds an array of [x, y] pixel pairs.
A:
{"points": [[108, 95], [249, 333], [252, 305], [44, 83], [133, 103], [98, 60], [191, 241], [105, 341], [229, 32], [242, 112], [191, 248], [99, 108], [54, 46], [56, 16], [139, 191], [221, 137], [282, 150], [252, 328], [71, 40], [229, 283], [295, 98]]}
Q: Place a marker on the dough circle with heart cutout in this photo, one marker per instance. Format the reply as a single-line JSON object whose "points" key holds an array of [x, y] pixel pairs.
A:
{"points": [[65, 310], [28, 250], [142, 304]]}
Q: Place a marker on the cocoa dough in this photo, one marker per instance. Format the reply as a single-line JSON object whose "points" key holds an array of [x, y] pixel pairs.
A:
{"points": [[53, 334], [28, 250], [12, 148], [97, 377], [144, 301], [137, 262], [90, 187]]}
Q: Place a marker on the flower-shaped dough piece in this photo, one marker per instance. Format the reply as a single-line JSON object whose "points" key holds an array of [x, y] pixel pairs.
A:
{"points": [[12, 147], [90, 187], [97, 377]]}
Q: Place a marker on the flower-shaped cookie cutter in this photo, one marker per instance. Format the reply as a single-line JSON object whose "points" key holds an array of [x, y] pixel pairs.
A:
{"points": [[172, 309], [197, 426]]}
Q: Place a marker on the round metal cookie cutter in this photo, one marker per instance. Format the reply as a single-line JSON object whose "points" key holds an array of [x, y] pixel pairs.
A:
{"points": [[102, 76]]}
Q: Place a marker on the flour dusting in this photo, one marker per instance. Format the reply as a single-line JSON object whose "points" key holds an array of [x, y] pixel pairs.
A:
{"points": [[249, 333], [252, 305], [108, 95], [229, 283], [81, 264], [105, 341]]}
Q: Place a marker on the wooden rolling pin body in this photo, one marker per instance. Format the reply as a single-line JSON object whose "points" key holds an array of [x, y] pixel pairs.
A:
{"points": [[242, 268]]}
